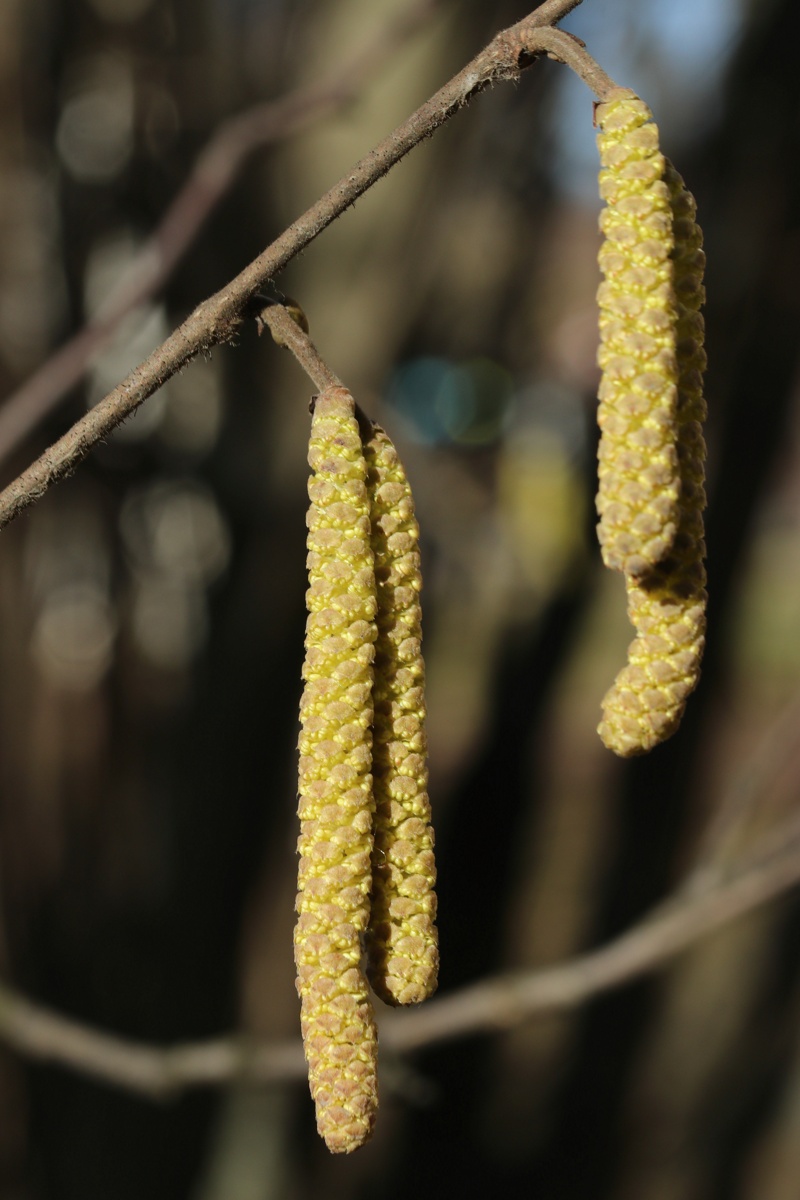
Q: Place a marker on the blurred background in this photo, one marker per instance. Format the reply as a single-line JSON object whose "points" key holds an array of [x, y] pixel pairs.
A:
{"points": [[152, 613]]}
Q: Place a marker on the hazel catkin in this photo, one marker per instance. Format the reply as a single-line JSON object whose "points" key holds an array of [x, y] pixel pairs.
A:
{"points": [[639, 479], [402, 944], [667, 604], [335, 782]]}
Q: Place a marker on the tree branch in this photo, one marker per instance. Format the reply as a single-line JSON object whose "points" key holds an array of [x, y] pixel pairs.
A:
{"points": [[505, 1002], [212, 175], [217, 319], [148, 1070], [491, 1005]]}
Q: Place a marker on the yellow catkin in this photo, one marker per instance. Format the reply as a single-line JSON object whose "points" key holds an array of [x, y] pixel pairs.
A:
{"points": [[639, 481], [667, 606], [402, 945], [335, 782]]}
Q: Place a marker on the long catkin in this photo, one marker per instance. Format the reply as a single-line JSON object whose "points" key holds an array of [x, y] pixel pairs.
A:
{"points": [[667, 605], [639, 479], [402, 944], [335, 783]]}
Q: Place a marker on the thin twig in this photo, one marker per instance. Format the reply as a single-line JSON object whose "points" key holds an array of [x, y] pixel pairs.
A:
{"points": [[288, 333], [216, 320], [212, 175], [567, 49], [494, 1004]]}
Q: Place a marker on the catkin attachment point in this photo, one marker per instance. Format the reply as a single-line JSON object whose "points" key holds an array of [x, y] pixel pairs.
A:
{"points": [[402, 944], [335, 782]]}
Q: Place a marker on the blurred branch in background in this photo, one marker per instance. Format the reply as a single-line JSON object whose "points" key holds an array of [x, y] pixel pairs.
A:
{"points": [[214, 172], [733, 821], [218, 319], [772, 868]]}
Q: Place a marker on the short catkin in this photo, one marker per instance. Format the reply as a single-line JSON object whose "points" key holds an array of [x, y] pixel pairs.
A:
{"points": [[335, 781], [667, 605], [402, 944], [639, 479]]}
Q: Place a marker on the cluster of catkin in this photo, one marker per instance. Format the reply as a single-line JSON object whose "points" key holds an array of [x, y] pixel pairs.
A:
{"points": [[651, 457], [366, 873]]}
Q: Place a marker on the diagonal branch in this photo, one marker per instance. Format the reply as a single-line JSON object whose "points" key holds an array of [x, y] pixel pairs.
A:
{"points": [[217, 319], [491, 1005], [212, 175]]}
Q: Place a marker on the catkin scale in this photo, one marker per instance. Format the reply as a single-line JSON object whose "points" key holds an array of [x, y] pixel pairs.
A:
{"points": [[667, 605], [639, 476], [335, 782], [402, 945]]}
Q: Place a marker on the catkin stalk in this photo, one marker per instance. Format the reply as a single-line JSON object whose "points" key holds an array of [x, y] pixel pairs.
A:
{"points": [[667, 606], [402, 944], [335, 782], [639, 478]]}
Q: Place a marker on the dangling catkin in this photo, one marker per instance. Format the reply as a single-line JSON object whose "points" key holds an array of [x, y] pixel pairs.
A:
{"points": [[335, 783], [639, 482], [667, 606], [402, 946]]}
